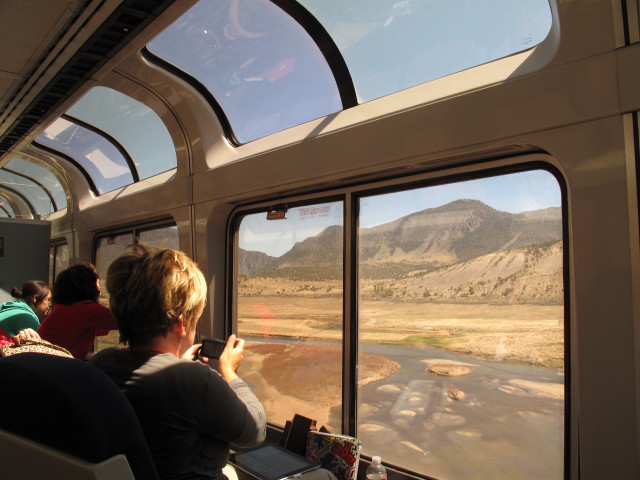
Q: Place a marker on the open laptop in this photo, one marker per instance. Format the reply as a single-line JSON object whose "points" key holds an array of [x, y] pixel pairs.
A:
{"points": [[272, 462]]}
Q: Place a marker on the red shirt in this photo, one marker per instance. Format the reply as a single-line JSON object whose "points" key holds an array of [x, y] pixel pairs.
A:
{"points": [[76, 326]]}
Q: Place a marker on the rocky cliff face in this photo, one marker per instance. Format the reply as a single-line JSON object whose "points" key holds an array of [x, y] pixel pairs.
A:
{"points": [[464, 250]]}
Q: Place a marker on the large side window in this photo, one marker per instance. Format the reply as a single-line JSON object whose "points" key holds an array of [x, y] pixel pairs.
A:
{"points": [[110, 246], [455, 320], [58, 260], [461, 287], [289, 309]]}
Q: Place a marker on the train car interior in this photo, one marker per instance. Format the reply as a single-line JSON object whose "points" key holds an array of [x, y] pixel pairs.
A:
{"points": [[421, 215]]}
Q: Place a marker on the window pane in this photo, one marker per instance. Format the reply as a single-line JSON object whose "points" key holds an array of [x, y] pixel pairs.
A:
{"points": [[31, 191], [134, 125], [58, 260], [100, 158], [461, 289], [393, 45], [49, 183], [52, 255], [164, 237], [108, 249], [260, 66], [6, 210], [289, 309]]}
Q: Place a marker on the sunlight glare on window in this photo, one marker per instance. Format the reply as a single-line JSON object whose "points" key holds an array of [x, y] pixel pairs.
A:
{"points": [[289, 310]]}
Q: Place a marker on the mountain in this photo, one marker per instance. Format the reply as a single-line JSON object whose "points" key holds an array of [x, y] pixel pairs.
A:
{"points": [[250, 262], [322, 250], [429, 239], [454, 232]]}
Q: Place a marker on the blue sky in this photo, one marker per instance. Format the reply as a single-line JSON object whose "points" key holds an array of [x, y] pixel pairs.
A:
{"points": [[513, 193]]}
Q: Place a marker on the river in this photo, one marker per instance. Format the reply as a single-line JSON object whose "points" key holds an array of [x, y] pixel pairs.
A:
{"points": [[507, 423], [498, 421]]}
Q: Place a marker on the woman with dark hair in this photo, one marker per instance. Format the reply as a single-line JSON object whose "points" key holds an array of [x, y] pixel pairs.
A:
{"points": [[31, 306], [77, 318]]}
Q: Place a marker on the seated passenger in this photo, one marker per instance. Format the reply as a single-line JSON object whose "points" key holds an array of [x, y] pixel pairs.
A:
{"points": [[77, 318], [190, 413], [31, 307]]}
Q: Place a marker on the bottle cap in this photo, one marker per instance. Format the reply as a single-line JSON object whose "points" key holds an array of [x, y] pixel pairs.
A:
{"points": [[376, 459]]}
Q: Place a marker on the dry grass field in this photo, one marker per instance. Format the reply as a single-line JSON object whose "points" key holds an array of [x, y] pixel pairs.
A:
{"points": [[532, 334]]}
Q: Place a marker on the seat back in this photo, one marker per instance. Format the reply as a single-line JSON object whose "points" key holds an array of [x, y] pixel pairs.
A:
{"points": [[24, 459], [72, 407]]}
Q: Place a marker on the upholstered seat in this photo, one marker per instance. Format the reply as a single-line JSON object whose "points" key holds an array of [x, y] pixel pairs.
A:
{"points": [[72, 407]]}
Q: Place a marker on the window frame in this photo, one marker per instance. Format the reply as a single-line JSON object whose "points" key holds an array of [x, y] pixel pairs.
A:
{"points": [[350, 195], [54, 245], [133, 229]]}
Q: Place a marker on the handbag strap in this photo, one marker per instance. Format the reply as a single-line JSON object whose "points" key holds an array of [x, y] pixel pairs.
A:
{"points": [[20, 343]]}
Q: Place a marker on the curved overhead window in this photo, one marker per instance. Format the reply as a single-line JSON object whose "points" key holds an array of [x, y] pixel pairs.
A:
{"points": [[266, 73], [114, 139], [40, 185], [391, 46], [259, 65], [99, 157], [6, 210], [35, 185], [136, 127]]}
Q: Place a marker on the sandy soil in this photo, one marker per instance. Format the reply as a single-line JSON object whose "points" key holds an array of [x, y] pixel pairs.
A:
{"points": [[532, 334], [304, 378]]}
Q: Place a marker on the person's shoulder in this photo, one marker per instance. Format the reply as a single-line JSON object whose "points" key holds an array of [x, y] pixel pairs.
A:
{"points": [[166, 371], [17, 310], [105, 354], [189, 369], [13, 306], [89, 304], [91, 307]]}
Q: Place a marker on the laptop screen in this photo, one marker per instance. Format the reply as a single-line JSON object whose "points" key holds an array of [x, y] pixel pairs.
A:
{"points": [[272, 462]]}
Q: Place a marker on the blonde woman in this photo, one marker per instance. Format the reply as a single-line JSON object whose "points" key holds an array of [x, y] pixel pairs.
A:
{"points": [[189, 412]]}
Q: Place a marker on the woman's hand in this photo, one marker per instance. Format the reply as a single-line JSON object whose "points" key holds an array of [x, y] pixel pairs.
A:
{"points": [[26, 334], [231, 358], [190, 353]]}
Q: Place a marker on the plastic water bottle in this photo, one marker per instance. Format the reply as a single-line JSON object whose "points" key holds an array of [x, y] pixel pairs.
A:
{"points": [[376, 470]]}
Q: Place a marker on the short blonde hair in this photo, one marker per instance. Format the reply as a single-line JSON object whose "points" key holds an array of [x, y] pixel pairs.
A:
{"points": [[150, 289]]}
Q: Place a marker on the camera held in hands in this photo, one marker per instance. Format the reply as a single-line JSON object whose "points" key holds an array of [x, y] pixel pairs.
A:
{"points": [[211, 348]]}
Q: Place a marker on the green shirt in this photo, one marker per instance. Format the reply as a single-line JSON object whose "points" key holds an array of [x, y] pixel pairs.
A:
{"points": [[16, 316]]}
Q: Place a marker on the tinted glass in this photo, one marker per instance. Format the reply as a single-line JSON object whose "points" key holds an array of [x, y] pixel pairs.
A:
{"points": [[107, 250], [289, 310], [134, 125], [27, 188], [52, 192], [58, 260], [110, 247], [258, 63], [6, 210], [163, 237], [393, 45], [461, 292], [98, 156]]}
